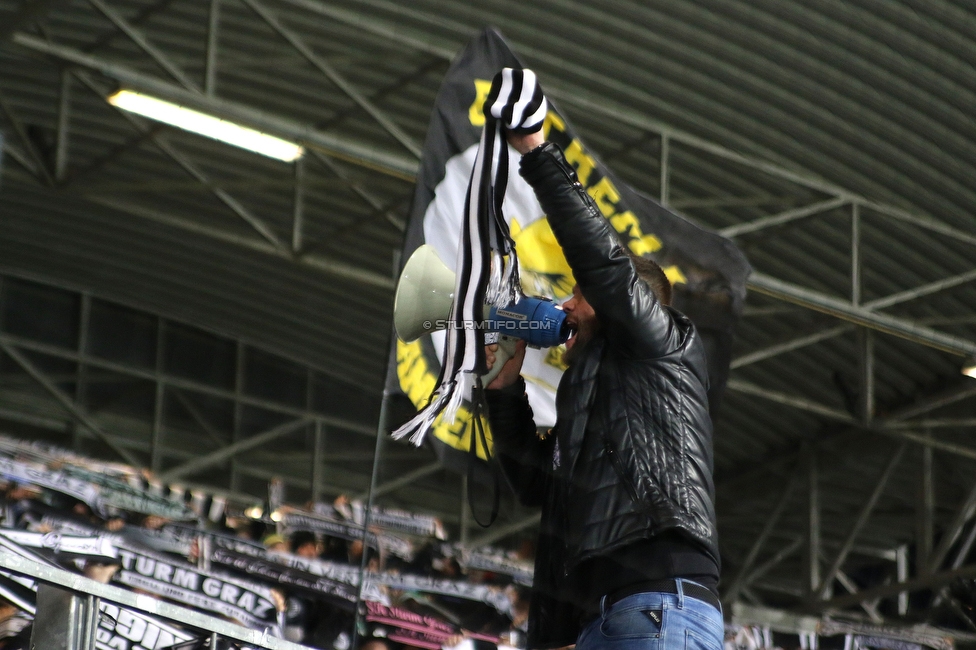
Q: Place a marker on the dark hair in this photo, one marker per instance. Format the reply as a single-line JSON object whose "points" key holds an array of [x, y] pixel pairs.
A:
{"points": [[649, 271], [301, 538]]}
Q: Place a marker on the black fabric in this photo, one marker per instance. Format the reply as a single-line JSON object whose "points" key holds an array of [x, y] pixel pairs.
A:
{"points": [[632, 447], [669, 555], [487, 268]]}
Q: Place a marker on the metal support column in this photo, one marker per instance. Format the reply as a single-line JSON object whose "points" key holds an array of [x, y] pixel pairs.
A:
{"points": [[298, 208], [901, 564], [925, 513], [813, 519], [665, 169], [318, 454], [772, 520], [156, 444], [855, 254], [210, 66], [64, 619], [235, 476], [64, 115], [81, 374], [865, 338]]}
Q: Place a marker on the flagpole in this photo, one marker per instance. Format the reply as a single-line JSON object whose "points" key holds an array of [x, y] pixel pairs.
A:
{"points": [[382, 429]]}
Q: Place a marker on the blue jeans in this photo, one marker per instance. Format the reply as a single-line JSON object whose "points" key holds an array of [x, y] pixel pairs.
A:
{"points": [[655, 621]]}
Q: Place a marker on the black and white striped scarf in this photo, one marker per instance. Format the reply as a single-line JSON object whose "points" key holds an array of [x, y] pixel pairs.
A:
{"points": [[487, 267]]}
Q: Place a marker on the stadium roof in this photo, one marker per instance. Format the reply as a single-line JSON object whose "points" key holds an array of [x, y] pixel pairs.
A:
{"points": [[835, 141]]}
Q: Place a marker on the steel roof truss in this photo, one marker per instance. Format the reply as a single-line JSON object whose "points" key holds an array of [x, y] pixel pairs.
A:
{"points": [[228, 452], [40, 170], [345, 148], [861, 520], [76, 411], [372, 200], [143, 43], [335, 77], [784, 217], [771, 521]]}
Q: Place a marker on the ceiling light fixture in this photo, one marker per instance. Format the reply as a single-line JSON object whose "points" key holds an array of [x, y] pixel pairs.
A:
{"points": [[206, 125], [969, 368]]}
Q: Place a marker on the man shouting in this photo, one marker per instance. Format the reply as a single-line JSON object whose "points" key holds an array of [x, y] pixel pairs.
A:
{"points": [[628, 552]]}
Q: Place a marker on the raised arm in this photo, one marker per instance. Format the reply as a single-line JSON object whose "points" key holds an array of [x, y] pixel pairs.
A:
{"points": [[625, 305]]}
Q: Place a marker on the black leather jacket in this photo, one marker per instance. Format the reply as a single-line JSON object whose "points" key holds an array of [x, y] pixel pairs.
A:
{"points": [[631, 453]]}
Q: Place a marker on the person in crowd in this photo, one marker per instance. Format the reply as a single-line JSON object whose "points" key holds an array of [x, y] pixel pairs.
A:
{"points": [[628, 548], [304, 544], [15, 627], [275, 543]]}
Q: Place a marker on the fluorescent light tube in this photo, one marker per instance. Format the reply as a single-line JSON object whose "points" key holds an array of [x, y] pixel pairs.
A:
{"points": [[970, 368], [206, 125]]}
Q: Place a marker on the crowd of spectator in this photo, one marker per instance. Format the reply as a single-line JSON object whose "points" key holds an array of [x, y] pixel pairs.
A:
{"points": [[441, 600]]}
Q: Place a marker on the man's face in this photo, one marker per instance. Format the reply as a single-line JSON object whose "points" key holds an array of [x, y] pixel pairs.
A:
{"points": [[584, 322]]}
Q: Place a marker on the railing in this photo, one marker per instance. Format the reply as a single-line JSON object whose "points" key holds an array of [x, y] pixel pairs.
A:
{"points": [[67, 615]]}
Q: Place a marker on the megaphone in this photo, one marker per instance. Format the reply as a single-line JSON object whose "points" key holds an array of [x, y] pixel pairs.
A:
{"points": [[425, 294]]}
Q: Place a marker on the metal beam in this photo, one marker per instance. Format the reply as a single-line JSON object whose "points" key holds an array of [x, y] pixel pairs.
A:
{"points": [[504, 531], [900, 327], [923, 290], [335, 77], [143, 43], [213, 37], [861, 520], [341, 147], [938, 423], [39, 164], [229, 451], [772, 562], [318, 469], [767, 530], [748, 388], [788, 346], [187, 384], [855, 254], [67, 402], [192, 169], [197, 416], [156, 444], [400, 481], [372, 200], [318, 262], [865, 339], [298, 207], [925, 222], [870, 607], [64, 116], [951, 534], [781, 218], [53, 575], [885, 591], [813, 519], [665, 169], [29, 11], [925, 513]]}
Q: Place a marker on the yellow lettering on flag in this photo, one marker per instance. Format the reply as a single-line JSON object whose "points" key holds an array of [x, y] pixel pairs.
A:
{"points": [[583, 163], [476, 113], [606, 197], [418, 380]]}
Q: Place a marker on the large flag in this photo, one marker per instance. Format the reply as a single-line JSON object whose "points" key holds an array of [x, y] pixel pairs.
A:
{"points": [[708, 272]]}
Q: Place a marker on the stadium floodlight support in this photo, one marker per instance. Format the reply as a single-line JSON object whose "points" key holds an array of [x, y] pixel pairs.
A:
{"points": [[206, 125]]}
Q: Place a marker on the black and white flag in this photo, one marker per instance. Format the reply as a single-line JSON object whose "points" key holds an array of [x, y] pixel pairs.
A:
{"points": [[708, 271]]}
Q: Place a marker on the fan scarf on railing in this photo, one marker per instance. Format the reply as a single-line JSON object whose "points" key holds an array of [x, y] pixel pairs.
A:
{"points": [[487, 268]]}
